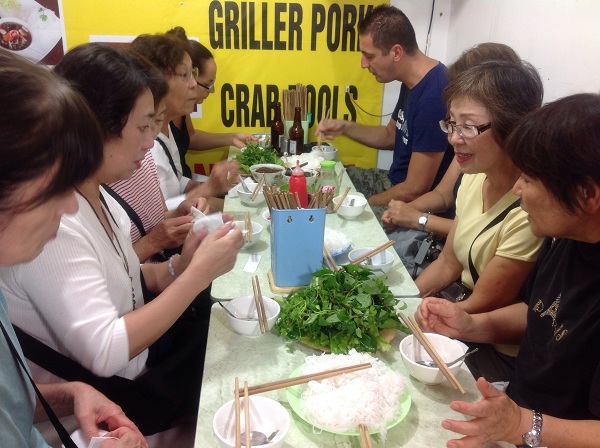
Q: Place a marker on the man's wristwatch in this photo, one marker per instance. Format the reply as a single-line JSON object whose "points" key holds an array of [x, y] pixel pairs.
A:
{"points": [[422, 221], [533, 438]]}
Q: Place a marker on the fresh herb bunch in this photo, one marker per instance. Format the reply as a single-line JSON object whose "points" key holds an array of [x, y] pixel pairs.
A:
{"points": [[254, 154], [340, 310]]}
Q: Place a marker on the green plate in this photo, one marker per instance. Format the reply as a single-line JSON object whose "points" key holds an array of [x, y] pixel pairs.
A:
{"points": [[295, 392]]}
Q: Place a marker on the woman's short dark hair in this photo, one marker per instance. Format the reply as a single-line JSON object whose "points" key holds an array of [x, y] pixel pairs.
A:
{"points": [[559, 145], [155, 79], [109, 79], [389, 26], [166, 52], [46, 125], [486, 51], [198, 52], [507, 90]]}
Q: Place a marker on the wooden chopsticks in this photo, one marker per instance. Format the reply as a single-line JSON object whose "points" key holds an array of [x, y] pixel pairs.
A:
{"points": [[324, 116], [260, 305], [247, 227], [378, 249], [365, 437], [246, 414], [420, 336], [305, 379], [341, 199], [260, 184], [238, 442], [329, 260]]}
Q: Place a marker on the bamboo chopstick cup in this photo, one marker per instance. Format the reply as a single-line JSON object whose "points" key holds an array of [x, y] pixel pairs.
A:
{"points": [[267, 387], [439, 362], [341, 199], [378, 249], [238, 442], [246, 414]]}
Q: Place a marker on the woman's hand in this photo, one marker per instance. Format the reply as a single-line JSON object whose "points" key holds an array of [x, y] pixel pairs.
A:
{"points": [[443, 317], [400, 214]]}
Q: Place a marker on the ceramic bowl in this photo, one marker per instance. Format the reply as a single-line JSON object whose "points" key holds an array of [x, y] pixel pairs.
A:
{"points": [[273, 172], [246, 197], [256, 233], [329, 152], [381, 263], [245, 307], [266, 215], [350, 211], [411, 351], [266, 416], [310, 175]]}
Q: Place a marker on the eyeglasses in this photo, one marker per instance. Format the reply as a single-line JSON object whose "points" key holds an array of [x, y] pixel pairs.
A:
{"points": [[207, 87], [465, 130], [186, 76]]}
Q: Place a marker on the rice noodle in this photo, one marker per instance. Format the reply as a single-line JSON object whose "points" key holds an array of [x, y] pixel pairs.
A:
{"points": [[341, 403]]}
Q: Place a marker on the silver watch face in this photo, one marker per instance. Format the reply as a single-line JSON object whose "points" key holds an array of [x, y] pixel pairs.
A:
{"points": [[422, 220], [532, 439]]}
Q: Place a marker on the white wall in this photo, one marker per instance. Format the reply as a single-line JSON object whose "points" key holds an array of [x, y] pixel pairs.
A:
{"points": [[561, 38]]}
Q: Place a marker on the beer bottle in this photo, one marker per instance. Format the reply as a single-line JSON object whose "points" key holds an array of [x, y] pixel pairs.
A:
{"points": [[277, 129], [296, 134]]}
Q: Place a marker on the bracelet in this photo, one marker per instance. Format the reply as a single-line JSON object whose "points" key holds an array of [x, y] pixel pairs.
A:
{"points": [[170, 265]]}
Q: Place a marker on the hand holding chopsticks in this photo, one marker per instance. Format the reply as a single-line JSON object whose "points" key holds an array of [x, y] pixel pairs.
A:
{"points": [[378, 249], [439, 362], [260, 305], [365, 437]]}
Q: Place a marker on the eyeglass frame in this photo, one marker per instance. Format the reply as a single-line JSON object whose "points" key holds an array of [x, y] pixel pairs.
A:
{"points": [[193, 74], [444, 124], [207, 87]]}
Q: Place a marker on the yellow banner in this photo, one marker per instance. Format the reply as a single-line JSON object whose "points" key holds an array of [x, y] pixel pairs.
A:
{"points": [[261, 48]]}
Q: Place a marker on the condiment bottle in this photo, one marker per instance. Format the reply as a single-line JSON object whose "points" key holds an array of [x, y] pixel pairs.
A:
{"points": [[328, 175], [296, 134], [277, 129], [298, 184]]}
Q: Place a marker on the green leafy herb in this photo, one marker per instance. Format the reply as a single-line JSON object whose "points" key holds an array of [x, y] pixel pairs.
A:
{"points": [[254, 154], [340, 310]]}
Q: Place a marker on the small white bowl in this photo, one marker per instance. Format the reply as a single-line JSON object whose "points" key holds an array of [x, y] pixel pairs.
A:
{"points": [[266, 215], [246, 197], [448, 349], [244, 307], [274, 174], [266, 416], [329, 152], [256, 232], [381, 263], [351, 211]]}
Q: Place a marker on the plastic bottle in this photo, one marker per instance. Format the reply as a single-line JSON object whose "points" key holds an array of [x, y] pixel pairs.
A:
{"points": [[296, 134], [277, 130], [328, 175], [298, 184]]}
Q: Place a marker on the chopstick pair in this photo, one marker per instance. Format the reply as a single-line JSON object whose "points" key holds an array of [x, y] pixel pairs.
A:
{"points": [[365, 437], [341, 199], [324, 116], [260, 305], [238, 436], [247, 227], [375, 251], [260, 184], [329, 260], [439, 362], [281, 384]]}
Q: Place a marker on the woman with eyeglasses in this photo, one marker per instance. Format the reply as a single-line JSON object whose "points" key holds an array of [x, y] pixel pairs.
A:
{"points": [[205, 73], [490, 247]]}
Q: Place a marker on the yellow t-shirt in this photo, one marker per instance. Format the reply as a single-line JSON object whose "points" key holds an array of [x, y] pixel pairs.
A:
{"points": [[511, 238]]}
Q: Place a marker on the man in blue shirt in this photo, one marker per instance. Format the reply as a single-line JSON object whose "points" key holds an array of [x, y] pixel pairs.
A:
{"points": [[421, 151]]}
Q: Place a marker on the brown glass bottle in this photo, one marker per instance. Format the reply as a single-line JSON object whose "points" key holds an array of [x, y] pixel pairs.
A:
{"points": [[277, 129], [296, 134]]}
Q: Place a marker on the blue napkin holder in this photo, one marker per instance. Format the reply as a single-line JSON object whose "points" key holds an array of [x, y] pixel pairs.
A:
{"points": [[297, 237]]}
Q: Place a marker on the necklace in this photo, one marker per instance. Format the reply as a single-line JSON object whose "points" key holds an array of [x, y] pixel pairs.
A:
{"points": [[112, 236]]}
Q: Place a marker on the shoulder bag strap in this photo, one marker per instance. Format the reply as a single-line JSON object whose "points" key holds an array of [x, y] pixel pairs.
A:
{"points": [[168, 153], [135, 218], [491, 224], [60, 429]]}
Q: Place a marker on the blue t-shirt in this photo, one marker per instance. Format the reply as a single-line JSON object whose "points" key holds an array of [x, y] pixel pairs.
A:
{"points": [[17, 397], [417, 116]]}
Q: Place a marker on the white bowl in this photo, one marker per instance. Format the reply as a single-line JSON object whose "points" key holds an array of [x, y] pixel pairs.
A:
{"points": [[274, 174], [256, 232], [266, 215], [310, 175], [350, 211], [381, 263], [266, 416], [448, 349], [245, 307], [329, 152], [246, 197]]}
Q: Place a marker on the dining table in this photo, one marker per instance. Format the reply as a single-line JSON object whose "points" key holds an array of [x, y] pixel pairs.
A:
{"points": [[269, 357]]}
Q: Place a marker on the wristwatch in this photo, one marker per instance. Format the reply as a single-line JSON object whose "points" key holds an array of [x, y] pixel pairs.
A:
{"points": [[533, 438], [422, 221]]}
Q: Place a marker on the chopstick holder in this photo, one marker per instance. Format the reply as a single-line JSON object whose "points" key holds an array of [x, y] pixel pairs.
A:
{"points": [[267, 387], [375, 251], [439, 362], [341, 199], [246, 414], [238, 442]]}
